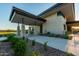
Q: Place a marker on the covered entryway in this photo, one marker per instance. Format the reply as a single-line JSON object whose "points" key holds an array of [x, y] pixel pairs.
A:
{"points": [[73, 26], [24, 18]]}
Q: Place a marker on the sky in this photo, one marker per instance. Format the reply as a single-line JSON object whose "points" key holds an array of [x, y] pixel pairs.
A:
{"points": [[5, 11], [34, 8]]}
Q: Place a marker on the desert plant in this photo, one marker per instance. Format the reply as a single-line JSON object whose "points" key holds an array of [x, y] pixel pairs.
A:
{"points": [[19, 45], [45, 46], [33, 42], [69, 54], [10, 39], [66, 35], [48, 33], [35, 53]]}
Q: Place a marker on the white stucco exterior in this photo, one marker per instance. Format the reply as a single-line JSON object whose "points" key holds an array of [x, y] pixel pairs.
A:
{"points": [[23, 33], [36, 30], [54, 24]]}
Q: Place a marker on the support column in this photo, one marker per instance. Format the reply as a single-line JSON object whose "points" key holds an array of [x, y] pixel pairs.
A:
{"points": [[29, 30], [23, 33], [41, 29], [18, 30]]}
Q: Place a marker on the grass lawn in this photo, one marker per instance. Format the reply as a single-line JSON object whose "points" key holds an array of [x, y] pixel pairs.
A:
{"points": [[4, 33]]}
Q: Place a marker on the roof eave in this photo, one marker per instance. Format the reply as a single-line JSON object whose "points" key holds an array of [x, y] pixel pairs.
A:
{"points": [[49, 9], [22, 12]]}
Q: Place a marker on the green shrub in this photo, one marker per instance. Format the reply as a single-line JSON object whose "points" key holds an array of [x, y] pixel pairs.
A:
{"points": [[23, 37], [45, 46], [35, 53], [69, 54], [66, 36], [10, 38], [28, 52], [33, 42], [20, 48], [19, 45], [48, 33]]}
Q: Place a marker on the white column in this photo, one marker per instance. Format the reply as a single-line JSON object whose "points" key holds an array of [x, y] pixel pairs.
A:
{"points": [[29, 30], [18, 30], [23, 33]]}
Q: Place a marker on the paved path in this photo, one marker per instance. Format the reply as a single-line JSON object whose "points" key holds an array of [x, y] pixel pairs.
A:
{"points": [[57, 43], [71, 46], [5, 49]]}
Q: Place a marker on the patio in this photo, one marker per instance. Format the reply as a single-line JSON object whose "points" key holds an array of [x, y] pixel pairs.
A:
{"points": [[73, 45]]}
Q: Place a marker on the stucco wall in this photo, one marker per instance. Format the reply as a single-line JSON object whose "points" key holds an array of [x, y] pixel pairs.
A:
{"points": [[36, 30], [54, 24]]}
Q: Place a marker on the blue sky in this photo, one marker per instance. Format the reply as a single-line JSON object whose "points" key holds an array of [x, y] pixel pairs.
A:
{"points": [[5, 10]]}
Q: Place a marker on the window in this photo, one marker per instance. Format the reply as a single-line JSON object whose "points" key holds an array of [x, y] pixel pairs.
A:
{"points": [[60, 13], [64, 27]]}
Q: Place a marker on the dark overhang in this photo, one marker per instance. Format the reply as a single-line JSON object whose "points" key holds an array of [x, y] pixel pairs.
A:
{"points": [[49, 9], [72, 22], [67, 9]]}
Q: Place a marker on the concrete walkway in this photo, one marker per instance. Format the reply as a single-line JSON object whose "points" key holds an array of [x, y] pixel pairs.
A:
{"points": [[57, 43], [71, 46]]}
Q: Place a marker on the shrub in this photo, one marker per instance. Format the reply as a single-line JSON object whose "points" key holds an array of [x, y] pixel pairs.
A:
{"points": [[69, 54], [45, 46], [33, 42], [10, 38], [66, 36], [35, 53], [48, 33], [20, 48], [28, 52], [23, 37], [19, 45]]}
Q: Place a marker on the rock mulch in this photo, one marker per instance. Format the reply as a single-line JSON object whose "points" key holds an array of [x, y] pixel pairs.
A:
{"points": [[5, 49], [50, 51]]}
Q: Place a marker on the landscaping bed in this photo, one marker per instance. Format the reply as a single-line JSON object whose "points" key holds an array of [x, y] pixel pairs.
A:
{"points": [[64, 36], [39, 50], [27, 47], [5, 49]]}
